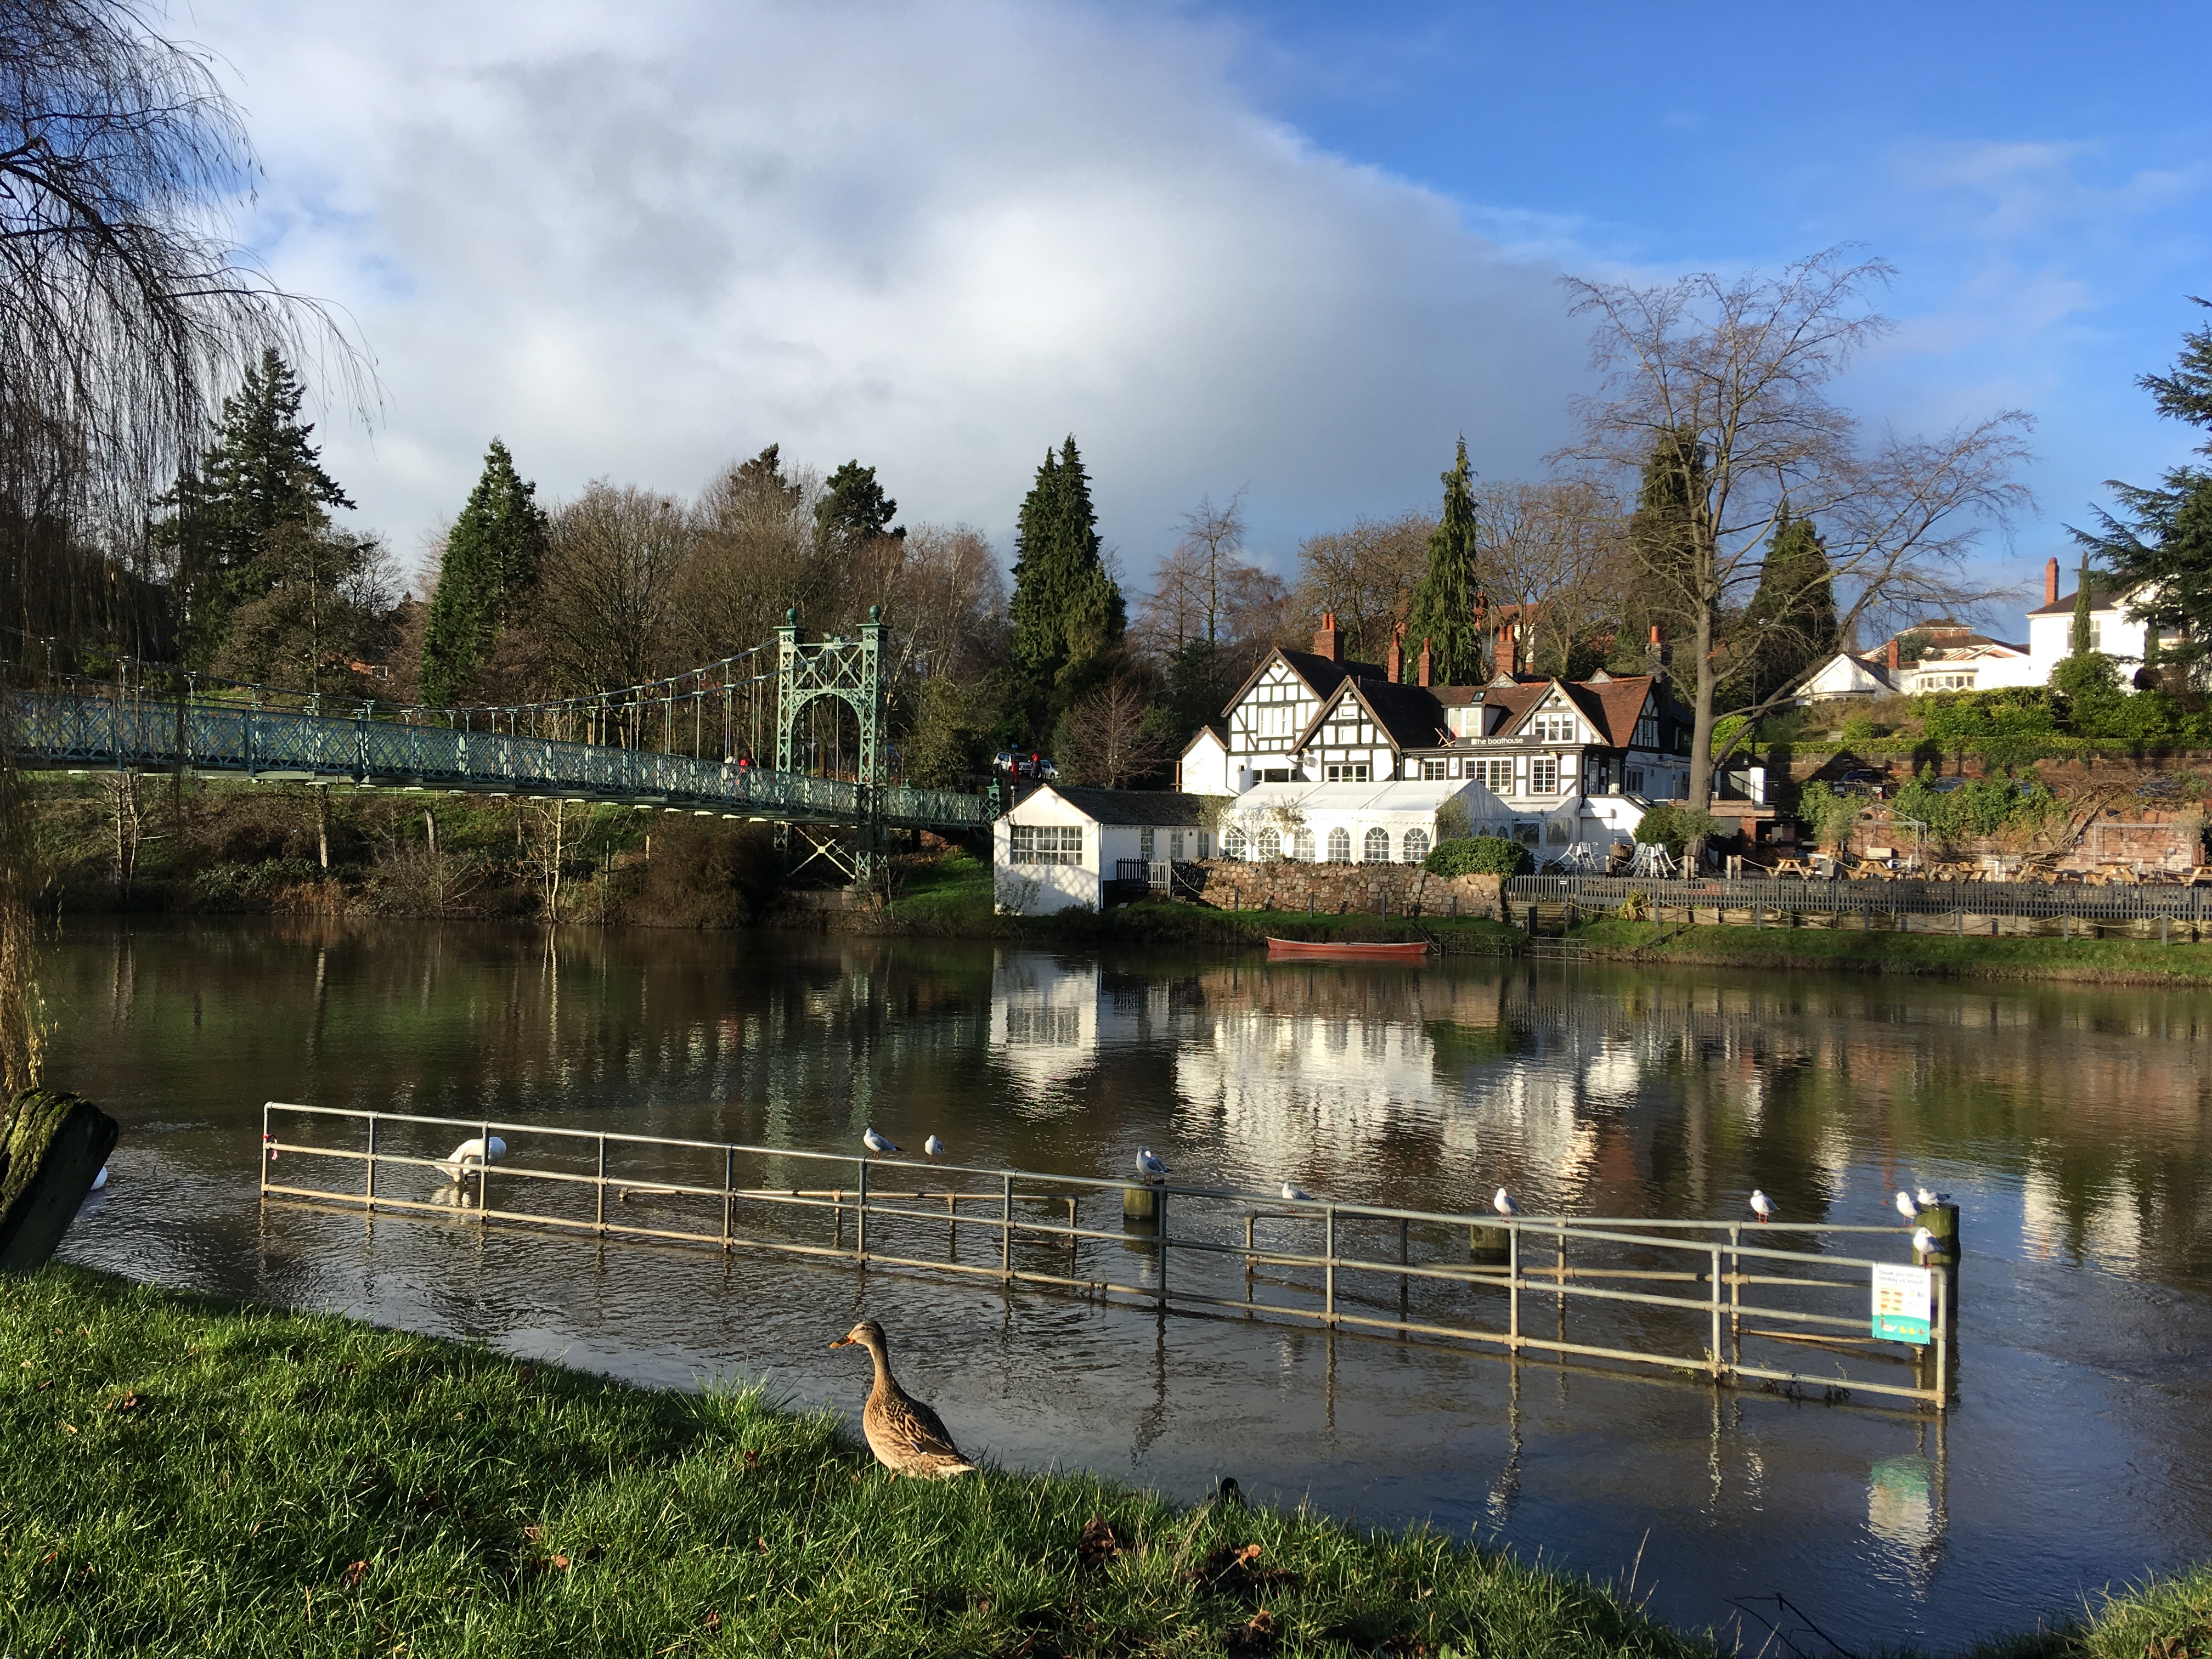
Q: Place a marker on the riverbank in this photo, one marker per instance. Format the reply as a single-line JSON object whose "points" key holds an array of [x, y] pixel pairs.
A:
{"points": [[182, 1473], [2102, 962]]}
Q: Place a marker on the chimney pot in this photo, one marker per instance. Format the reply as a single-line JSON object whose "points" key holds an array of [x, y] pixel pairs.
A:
{"points": [[1893, 655], [1328, 642], [2051, 582], [1396, 662], [1425, 662]]}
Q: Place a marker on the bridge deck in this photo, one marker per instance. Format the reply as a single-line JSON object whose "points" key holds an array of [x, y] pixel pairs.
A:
{"points": [[47, 729]]}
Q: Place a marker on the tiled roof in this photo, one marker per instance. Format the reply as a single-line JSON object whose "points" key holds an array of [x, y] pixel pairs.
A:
{"points": [[1132, 805], [2102, 596], [1217, 729], [1613, 705], [1325, 676]]}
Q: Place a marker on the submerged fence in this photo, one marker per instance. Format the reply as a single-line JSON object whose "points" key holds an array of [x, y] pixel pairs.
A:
{"points": [[1689, 1297]]}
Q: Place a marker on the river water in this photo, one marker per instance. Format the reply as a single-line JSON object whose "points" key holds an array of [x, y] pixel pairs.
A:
{"points": [[2071, 1125]]}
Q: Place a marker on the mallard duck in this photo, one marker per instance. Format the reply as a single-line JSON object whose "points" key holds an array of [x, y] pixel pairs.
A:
{"points": [[905, 1435]]}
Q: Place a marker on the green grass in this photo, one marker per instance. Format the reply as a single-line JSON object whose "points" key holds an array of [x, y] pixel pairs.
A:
{"points": [[2116, 960], [181, 1476]]}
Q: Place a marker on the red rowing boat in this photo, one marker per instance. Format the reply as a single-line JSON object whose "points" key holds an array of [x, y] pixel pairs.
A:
{"points": [[1413, 950]]}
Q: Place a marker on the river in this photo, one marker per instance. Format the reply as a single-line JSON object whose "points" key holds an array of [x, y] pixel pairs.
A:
{"points": [[2069, 1123]]}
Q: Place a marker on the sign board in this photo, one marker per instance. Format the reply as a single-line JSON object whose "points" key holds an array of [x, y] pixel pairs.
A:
{"points": [[1902, 1300]]}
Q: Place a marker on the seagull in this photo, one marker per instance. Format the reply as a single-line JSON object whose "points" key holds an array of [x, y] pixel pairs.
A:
{"points": [[1504, 1204], [1923, 1241], [1761, 1205], [1150, 1167], [471, 1155], [1928, 1199], [878, 1143], [1296, 1195], [1907, 1208], [933, 1147]]}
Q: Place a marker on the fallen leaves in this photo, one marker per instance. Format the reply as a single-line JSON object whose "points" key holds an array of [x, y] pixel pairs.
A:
{"points": [[1099, 1543], [1257, 1635], [354, 1574], [1233, 1570], [126, 1404]]}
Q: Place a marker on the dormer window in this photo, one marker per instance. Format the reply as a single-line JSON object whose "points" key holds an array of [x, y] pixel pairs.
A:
{"points": [[1647, 732]]}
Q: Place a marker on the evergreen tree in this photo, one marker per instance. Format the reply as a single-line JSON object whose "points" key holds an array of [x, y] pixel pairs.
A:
{"points": [[1790, 624], [493, 556], [2079, 639], [2160, 543], [1068, 614], [853, 511], [260, 475], [1444, 604], [1663, 553]]}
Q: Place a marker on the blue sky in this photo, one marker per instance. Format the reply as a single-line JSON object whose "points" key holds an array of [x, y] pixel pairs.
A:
{"points": [[1288, 247]]}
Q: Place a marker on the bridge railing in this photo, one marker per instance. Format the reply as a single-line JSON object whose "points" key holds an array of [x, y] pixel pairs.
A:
{"points": [[60, 729]]}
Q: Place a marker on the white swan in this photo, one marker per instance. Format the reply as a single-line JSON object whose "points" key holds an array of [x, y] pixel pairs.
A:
{"points": [[471, 1155]]}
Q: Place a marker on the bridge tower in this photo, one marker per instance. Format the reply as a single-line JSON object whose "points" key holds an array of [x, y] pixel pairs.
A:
{"points": [[850, 672]]}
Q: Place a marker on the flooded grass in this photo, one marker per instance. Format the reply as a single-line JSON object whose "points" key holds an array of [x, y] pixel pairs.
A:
{"points": [[1941, 955]]}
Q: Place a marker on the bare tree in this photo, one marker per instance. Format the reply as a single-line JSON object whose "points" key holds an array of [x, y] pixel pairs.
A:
{"points": [[1725, 383], [1552, 551], [1366, 575], [607, 602], [1107, 744]]}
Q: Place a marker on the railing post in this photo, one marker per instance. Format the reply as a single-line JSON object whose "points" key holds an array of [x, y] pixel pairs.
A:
{"points": [[860, 1216], [1513, 1286], [1735, 1295], [599, 1191], [1006, 1230], [1329, 1270], [1160, 1210], [371, 1194], [267, 1137], [1717, 1314], [729, 1191], [483, 1174]]}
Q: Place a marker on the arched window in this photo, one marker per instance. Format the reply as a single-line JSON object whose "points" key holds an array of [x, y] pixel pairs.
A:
{"points": [[1302, 847], [1270, 847], [1378, 848], [1232, 842], [1339, 846], [1417, 846]]}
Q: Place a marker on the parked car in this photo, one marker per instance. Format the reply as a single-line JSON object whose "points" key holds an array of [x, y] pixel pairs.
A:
{"points": [[1861, 780], [1946, 786], [1047, 771]]}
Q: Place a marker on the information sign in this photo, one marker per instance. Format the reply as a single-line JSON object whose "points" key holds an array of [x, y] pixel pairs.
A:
{"points": [[1902, 1301]]}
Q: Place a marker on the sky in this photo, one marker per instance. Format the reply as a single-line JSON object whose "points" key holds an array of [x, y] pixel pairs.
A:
{"points": [[1291, 250]]}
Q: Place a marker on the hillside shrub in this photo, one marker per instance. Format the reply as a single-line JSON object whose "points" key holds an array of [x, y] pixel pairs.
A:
{"points": [[1675, 827], [1827, 812], [1980, 808], [1478, 855]]}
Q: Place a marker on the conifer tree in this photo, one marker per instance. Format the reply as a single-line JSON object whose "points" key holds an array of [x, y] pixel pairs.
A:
{"points": [[260, 475], [1790, 623], [1442, 608], [2079, 639], [1663, 554], [493, 556], [1068, 613], [853, 509]]}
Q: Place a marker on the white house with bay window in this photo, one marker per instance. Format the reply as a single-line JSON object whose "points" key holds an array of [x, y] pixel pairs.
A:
{"points": [[1060, 845]]}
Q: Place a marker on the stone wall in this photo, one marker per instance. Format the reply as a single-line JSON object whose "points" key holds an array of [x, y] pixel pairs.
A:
{"points": [[1340, 889]]}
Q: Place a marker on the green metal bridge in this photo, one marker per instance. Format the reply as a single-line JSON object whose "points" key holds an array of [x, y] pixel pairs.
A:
{"points": [[598, 748]]}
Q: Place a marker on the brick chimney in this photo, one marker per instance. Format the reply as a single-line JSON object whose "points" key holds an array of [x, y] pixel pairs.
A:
{"points": [[1327, 641], [1894, 655], [2050, 581], [1425, 662], [1397, 661]]}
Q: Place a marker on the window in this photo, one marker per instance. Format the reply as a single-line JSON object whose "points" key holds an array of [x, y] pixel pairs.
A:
{"points": [[1647, 732], [1354, 773], [1268, 847], [1339, 846], [1144, 843], [1417, 846], [1554, 728], [1044, 843], [1431, 769], [1232, 843], [1376, 848], [1495, 775], [1526, 830], [1274, 720], [1174, 844], [1544, 775], [1560, 831], [1205, 843], [1302, 847], [1276, 775], [1635, 783]]}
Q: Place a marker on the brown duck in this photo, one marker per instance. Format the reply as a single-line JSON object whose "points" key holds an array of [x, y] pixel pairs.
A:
{"points": [[905, 1435]]}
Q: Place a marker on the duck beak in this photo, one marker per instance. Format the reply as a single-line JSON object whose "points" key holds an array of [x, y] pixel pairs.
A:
{"points": [[842, 1342]]}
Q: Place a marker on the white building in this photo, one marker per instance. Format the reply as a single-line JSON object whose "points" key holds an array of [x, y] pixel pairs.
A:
{"points": [[1061, 845], [2112, 631]]}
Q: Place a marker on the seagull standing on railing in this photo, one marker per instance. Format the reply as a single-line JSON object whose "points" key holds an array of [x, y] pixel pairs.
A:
{"points": [[1150, 1167], [875, 1143], [1504, 1204], [1923, 1242], [1296, 1195], [933, 1147], [1907, 1208], [1761, 1205]]}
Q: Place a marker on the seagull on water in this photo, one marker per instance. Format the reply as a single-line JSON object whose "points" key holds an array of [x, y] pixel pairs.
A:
{"points": [[933, 1147], [1907, 1208], [1296, 1195], [1504, 1204], [471, 1155], [1761, 1205], [1150, 1167], [877, 1143]]}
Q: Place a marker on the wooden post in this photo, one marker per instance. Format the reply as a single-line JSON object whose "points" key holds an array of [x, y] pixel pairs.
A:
{"points": [[56, 1143], [1489, 1247], [1139, 1204]]}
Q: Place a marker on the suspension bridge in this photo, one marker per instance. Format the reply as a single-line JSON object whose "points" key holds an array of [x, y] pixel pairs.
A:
{"points": [[686, 743]]}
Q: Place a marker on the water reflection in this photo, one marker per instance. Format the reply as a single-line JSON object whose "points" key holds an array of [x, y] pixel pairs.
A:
{"points": [[2072, 1125]]}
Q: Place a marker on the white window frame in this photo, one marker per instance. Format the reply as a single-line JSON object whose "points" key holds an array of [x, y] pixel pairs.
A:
{"points": [[1431, 770], [1044, 843], [1339, 846], [1543, 775]]}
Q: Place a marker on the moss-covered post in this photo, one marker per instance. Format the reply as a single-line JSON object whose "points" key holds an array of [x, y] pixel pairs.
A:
{"points": [[52, 1145]]}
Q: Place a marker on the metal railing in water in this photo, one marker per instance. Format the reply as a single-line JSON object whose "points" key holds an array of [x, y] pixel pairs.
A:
{"points": [[1685, 1296]]}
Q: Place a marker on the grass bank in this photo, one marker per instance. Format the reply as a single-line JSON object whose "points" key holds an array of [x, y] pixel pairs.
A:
{"points": [[2115, 962], [183, 1476], [952, 897]]}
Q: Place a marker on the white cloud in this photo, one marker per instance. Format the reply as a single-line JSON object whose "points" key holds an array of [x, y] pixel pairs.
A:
{"points": [[936, 238]]}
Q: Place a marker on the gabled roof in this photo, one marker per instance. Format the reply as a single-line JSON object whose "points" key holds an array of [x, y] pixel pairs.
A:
{"points": [[1213, 729], [1321, 675], [1410, 716], [2103, 596], [1166, 807], [1614, 704]]}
